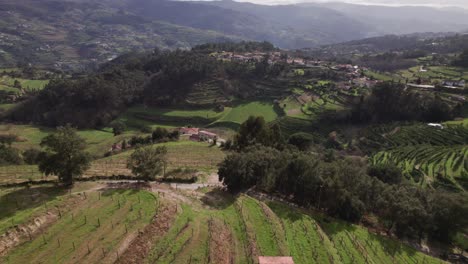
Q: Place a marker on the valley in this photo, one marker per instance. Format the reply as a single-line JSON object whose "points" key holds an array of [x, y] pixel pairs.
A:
{"points": [[165, 132]]}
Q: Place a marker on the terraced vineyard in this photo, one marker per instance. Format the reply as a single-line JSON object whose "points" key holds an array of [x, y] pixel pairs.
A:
{"points": [[99, 224], [61, 226], [182, 155], [425, 153], [251, 228]]}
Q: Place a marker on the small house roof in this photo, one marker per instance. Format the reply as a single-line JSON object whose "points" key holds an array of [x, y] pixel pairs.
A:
{"points": [[203, 132], [275, 260]]}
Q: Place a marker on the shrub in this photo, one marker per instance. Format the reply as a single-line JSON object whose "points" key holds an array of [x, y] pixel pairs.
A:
{"points": [[31, 156]]}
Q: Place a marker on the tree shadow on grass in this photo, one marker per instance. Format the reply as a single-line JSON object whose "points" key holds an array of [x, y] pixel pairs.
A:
{"points": [[27, 198], [129, 188], [218, 198]]}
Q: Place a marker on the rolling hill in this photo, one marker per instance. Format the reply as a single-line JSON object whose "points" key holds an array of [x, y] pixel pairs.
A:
{"points": [[78, 34]]}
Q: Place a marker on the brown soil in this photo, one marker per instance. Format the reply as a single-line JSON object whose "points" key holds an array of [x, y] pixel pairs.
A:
{"points": [[35, 227], [293, 112], [139, 248], [220, 242], [306, 97]]}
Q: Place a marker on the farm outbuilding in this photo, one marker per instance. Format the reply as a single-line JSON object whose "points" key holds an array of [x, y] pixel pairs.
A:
{"points": [[275, 260]]}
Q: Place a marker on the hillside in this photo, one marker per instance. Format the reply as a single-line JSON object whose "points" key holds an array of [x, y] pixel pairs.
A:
{"points": [[168, 225], [76, 34]]}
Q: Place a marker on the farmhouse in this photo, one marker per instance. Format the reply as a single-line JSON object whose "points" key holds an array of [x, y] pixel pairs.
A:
{"points": [[275, 260], [199, 135], [435, 125], [208, 136], [451, 83], [421, 86], [188, 130]]}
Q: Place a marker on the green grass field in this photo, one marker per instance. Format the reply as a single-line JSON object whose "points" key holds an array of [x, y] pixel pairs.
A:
{"points": [[137, 117], [241, 112], [30, 136], [7, 84], [231, 117]]}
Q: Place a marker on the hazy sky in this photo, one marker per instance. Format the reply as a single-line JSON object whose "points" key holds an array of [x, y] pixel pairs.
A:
{"points": [[433, 3]]}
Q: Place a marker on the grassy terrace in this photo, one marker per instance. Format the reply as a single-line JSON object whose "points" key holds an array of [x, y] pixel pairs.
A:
{"points": [[252, 228], [92, 225], [96, 224], [230, 117], [183, 156]]}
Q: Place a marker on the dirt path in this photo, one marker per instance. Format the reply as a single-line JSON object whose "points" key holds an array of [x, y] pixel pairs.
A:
{"points": [[220, 242], [138, 248]]}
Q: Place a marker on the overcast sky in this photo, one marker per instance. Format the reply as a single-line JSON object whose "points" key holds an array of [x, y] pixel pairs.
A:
{"points": [[433, 3]]}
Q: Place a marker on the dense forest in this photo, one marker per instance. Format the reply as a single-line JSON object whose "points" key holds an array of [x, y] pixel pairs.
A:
{"points": [[156, 78]]}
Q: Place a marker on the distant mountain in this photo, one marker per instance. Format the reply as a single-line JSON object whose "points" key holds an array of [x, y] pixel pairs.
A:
{"points": [[426, 42], [83, 33], [75, 34], [403, 19]]}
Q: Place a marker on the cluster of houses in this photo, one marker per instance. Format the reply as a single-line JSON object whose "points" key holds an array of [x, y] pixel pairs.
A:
{"points": [[273, 57]]}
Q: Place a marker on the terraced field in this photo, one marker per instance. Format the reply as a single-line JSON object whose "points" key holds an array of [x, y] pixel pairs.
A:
{"points": [[250, 228], [99, 223], [425, 153], [183, 156]]}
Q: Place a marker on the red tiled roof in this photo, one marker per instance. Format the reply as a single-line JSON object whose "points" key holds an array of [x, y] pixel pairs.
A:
{"points": [[275, 260], [206, 133]]}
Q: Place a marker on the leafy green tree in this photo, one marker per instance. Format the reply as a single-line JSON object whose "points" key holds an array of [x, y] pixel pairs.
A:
{"points": [[64, 155], [148, 162], [7, 139], [388, 173], [31, 156], [9, 155], [118, 128], [462, 60], [301, 140], [159, 134], [255, 131], [448, 214], [17, 84], [124, 144]]}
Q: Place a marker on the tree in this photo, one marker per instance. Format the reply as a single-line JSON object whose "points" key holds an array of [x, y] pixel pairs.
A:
{"points": [[388, 173], [31, 156], [148, 162], [118, 128], [159, 134], [462, 60], [17, 84], [64, 155], [253, 131], [301, 140]]}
